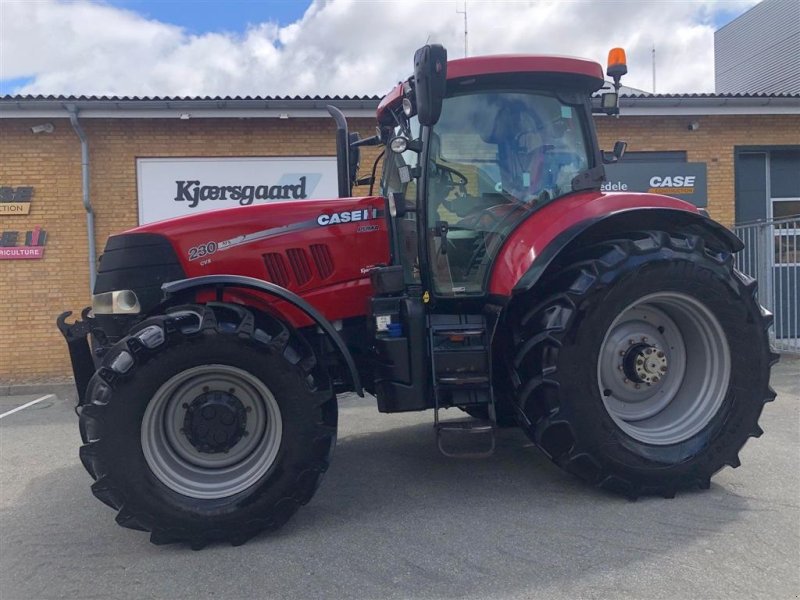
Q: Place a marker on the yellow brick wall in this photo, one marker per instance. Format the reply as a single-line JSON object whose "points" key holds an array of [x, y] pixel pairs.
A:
{"points": [[35, 291], [713, 143]]}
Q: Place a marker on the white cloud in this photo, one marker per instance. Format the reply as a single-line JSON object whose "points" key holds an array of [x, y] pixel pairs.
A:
{"points": [[342, 46]]}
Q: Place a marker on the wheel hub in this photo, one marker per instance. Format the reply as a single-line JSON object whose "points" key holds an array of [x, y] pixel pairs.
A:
{"points": [[215, 422], [663, 368], [645, 363]]}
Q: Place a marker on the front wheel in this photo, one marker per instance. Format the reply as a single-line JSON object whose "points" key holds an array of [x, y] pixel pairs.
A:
{"points": [[646, 369], [207, 424]]}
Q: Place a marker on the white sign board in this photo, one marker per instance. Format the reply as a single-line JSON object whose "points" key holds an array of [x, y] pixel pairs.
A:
{"points": [[173, 187]]}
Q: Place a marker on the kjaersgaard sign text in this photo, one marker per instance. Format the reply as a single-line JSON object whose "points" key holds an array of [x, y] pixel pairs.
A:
{"points": [[172, 187], [194, 192]]}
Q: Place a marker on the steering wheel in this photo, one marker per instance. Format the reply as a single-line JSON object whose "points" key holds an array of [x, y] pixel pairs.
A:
{"points": [[453, 173]]}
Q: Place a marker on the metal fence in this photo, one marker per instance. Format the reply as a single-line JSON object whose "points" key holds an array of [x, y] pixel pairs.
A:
{"points": [[772, 255]]}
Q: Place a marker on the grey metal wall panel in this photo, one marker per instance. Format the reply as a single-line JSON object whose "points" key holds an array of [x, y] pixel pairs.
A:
{"points": [[760, 50]]}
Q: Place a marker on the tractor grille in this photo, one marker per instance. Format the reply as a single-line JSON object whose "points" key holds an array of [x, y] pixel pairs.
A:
{"points": [[322, 259], [276, 268], [299, 262], [294, 265]]}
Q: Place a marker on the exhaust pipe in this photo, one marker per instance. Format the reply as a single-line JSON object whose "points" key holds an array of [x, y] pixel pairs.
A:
{"points": [[342, 152]]}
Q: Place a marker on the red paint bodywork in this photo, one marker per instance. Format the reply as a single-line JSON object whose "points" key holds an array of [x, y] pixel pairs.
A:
{"points": [[528, 240], [353, 247], [588, 70], [524, 63]]}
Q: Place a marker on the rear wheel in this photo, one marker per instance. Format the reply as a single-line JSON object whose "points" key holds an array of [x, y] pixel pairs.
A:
{"points": [[207, 424], [646, 368]]}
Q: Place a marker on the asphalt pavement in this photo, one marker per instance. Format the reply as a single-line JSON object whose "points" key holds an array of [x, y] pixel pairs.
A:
{"points": [[395, 519]]}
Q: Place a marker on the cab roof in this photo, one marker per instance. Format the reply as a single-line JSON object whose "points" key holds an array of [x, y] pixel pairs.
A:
{"points": [[587, 70]]}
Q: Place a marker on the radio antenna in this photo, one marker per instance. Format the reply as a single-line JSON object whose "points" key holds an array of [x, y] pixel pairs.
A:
{"points": [[464, 12], [654, 67]]}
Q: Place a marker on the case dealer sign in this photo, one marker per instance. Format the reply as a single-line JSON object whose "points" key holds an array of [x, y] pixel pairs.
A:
{"points": [[16, 245], [173, 187], [15, 200], [687, 181]]}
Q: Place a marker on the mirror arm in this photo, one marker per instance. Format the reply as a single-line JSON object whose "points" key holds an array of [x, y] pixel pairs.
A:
{"points": [[415, 145], [370, 141], [375, 170]]}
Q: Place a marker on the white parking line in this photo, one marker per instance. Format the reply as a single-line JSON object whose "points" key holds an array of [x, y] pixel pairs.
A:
{"points": [[31, 403]]}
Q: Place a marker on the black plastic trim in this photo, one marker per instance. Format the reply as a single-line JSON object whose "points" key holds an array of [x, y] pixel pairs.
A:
{"points": [[139, 262], [175, 287]]}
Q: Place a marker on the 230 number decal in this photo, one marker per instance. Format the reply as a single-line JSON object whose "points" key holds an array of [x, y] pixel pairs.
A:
{"points": [[202, 250]]}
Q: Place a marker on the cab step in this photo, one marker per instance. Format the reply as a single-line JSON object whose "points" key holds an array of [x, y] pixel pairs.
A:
{"points": [[457, 439], [462, 376]]}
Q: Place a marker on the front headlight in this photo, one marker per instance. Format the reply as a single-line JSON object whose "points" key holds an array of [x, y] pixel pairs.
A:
{"points": [[119, 302]]}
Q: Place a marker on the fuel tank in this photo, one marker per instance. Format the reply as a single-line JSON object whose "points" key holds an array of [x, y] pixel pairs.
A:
{"points": [[320, 249]]}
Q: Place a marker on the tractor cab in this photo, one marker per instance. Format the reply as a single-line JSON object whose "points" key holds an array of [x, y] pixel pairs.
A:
{"points": [[502, 147], [471, 149]]}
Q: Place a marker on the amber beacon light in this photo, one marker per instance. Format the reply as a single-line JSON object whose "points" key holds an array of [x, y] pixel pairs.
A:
{"points": [[617, 63]]}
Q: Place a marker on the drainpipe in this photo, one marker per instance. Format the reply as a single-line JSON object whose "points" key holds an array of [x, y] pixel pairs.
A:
{"points": [[87, 204]]}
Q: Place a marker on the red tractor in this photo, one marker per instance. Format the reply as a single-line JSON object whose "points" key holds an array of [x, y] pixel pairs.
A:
{"points": [[490, 273]]}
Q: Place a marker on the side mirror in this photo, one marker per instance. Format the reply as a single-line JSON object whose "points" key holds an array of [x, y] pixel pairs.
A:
{"points": [[619, 149], [430, 80], [616, 154]]}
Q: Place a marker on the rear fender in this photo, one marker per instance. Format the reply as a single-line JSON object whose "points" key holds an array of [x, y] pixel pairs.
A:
{"points": [[221, 282], [611, 225]]}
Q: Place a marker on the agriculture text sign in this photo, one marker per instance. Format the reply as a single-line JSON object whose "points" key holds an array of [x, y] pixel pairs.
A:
{"points": [[31, 248]]}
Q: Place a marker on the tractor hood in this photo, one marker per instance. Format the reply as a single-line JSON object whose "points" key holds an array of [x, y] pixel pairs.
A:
{"points": [[307, 246]]}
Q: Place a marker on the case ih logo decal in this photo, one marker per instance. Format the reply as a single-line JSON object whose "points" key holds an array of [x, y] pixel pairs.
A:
{"points": [[15, 201], [348, 216], [10, 249], [194, 192]]}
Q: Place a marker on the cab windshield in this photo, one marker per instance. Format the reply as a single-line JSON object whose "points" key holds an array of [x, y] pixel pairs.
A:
{"points": [[493, 157]]}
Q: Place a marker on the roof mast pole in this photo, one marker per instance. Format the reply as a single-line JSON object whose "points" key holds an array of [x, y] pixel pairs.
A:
{"points": [[654, 67], [464, 12]]}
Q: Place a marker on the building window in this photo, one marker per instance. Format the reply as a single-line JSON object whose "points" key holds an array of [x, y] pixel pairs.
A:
{"points": [[784, 204]]}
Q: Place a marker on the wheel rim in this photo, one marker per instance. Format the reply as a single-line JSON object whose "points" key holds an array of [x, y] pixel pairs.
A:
{"points": [[211, 431], [664, 368]]}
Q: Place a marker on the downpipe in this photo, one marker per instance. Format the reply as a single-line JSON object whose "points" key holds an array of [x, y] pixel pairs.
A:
{"points": [[87, 204]]}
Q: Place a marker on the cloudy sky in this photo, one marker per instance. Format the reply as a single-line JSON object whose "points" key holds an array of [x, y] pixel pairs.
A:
{"points": [[277, 47]]}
